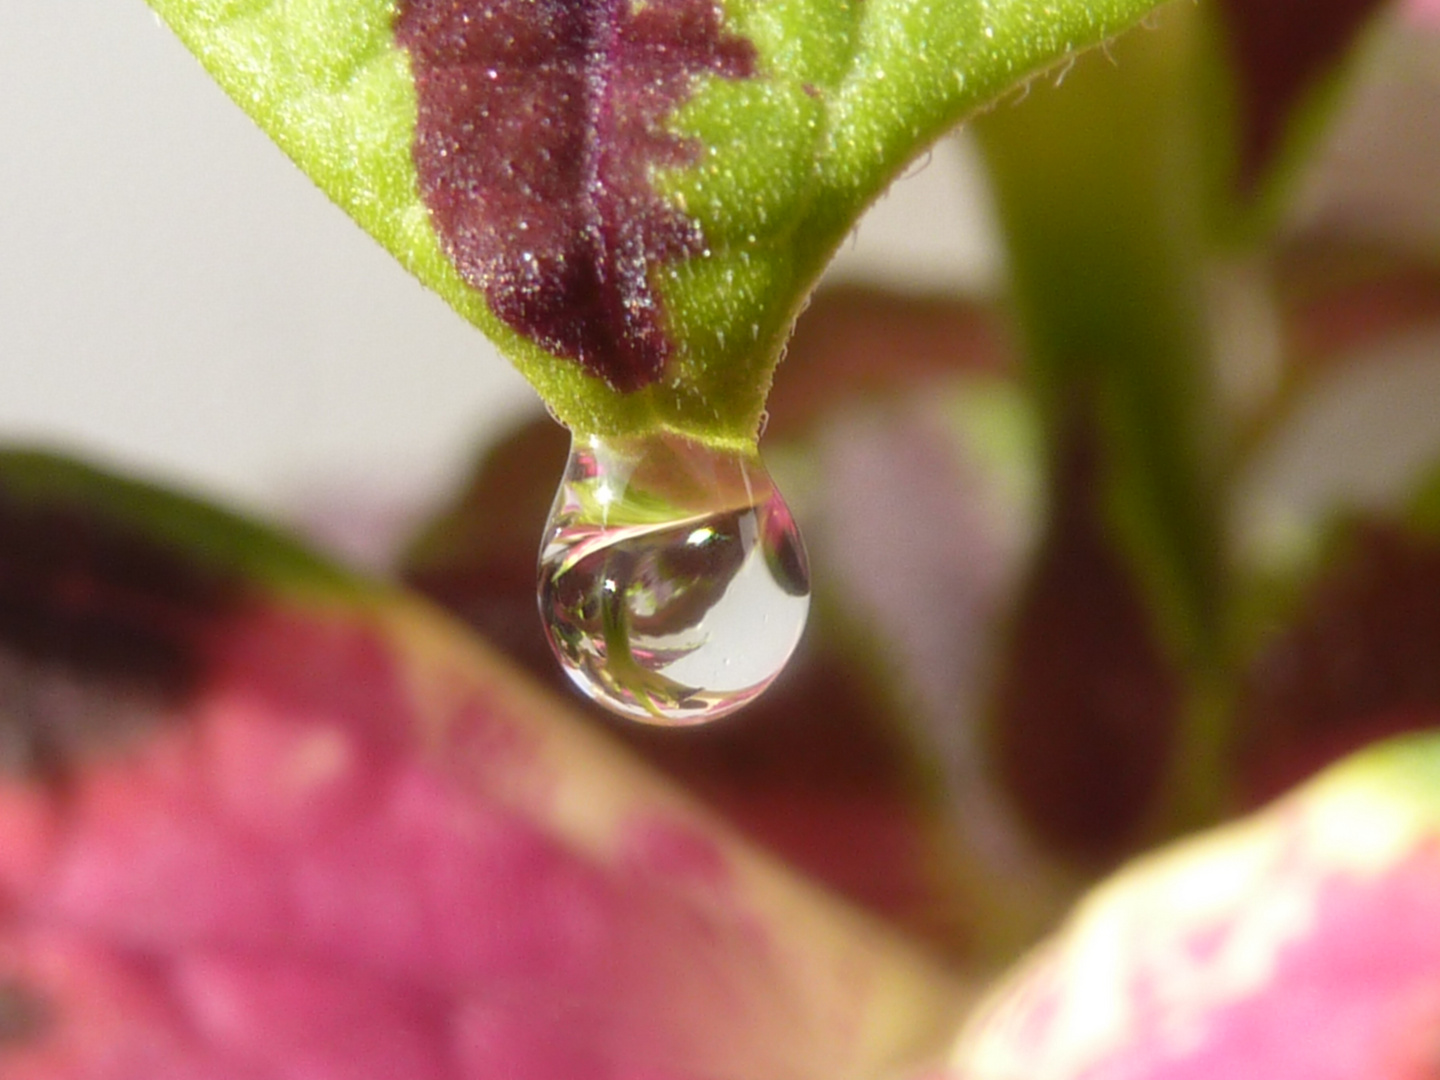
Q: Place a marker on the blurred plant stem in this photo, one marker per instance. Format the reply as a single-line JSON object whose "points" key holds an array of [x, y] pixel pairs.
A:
{"points": [[1098, 179]]}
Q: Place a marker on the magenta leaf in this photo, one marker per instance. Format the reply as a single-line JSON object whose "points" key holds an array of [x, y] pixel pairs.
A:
{"points": [[290, 824], [1425, 13], [1300, 944]]}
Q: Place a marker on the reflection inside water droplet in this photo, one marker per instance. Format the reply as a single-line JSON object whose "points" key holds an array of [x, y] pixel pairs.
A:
{"points": [[673, 581]]}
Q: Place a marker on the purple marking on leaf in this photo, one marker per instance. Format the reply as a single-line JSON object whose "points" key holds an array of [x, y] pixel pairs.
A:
{"points": [[1281, 50], [539, 122], [101, 632]]}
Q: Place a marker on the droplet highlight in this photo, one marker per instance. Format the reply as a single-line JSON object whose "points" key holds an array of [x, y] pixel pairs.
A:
{"points": [[673, 581]]}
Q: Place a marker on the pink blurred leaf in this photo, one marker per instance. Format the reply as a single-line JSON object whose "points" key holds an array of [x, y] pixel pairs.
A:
{"points": [[266, 821], [1423, 12], [1302, 943]]}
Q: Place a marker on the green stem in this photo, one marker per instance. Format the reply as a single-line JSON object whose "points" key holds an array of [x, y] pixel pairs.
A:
{"points": [[1100, 194]]}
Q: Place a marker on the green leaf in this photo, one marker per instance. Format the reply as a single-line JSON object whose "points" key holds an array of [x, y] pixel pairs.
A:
{"points": [[651, 190]]}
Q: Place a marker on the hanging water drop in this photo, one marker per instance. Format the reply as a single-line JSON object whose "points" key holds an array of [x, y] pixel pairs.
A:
{"points": [[673, 581]]}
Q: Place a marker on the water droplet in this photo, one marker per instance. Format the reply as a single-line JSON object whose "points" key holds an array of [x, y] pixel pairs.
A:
{"points": [[673, 581]]}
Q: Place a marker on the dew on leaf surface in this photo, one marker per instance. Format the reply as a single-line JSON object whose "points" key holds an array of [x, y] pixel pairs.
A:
{"points": [[673, 581]]}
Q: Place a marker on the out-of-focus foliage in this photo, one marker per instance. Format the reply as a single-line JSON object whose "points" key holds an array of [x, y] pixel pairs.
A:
{"points": [[262, 819]]}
